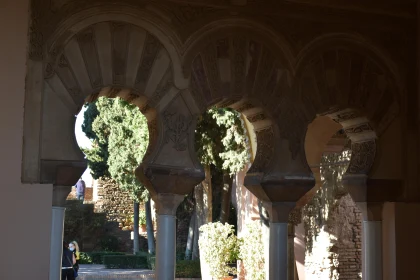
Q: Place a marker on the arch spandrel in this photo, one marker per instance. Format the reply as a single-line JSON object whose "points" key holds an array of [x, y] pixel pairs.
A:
{"points": [[345, 75], [107, 58]]}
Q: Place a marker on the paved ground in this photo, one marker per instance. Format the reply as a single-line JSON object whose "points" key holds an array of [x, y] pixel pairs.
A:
{"points": [[98, 272]]}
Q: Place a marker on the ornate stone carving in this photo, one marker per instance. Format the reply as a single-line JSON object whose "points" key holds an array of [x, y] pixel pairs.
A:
{"points": [[244, 107], [358, 129], [201, 78], [239, 65], [196, 93], [343, 79], [150, 50], [265, 150], [363, 156], [176, 129], [291, 125], [257, 117], [187, 13], [164, 86], [209, 56], [153, 134], [49, 71]]}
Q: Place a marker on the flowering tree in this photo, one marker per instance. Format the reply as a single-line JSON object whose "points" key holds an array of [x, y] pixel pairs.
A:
{"points": [[251, 251], [218, 247]]}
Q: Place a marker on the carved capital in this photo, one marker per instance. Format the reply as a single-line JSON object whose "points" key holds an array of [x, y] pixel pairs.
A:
{"points": [[371, 211], [160, 179], [356, 186], [279, 211], [167, 203], [279, 189], [60, 194]]}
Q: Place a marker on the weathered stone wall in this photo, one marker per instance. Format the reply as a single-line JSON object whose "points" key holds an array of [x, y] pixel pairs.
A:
{"points": [[117, 204], [88, 194], [332, 226]]}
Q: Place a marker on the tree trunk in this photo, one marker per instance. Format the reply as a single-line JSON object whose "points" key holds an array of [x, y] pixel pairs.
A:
{"points": [[190, 238], [226, 197], [149, 226], [207, 195], [136, 228], [199, 218]]}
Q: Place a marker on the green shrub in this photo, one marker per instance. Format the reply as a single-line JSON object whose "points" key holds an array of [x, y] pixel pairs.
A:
{"points": [[95, 257], [109, 243], [85, 258], [150, 259], [127, 261], [188, 269], [151, 262]]}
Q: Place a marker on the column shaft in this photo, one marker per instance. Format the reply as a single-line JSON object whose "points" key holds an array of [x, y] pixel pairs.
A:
{"points": [[372, 250], [56, 248], [165, 249], [278, 251]]}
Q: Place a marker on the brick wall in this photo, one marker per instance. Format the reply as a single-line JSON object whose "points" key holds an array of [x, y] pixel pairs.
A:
{"points": [[332, 226], [117, 204]]}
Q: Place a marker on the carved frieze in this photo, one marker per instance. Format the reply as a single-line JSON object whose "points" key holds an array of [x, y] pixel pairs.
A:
{"points": [[176, 129], [265, 150], [362, 157]]}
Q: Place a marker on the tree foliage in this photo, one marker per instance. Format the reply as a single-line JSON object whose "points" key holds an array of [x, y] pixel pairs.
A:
{"points": [[221, 140], [97, 155], [120, 138]]}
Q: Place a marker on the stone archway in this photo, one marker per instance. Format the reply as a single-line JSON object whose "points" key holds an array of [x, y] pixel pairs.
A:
{"points": [[357, 90], [235, 63]]}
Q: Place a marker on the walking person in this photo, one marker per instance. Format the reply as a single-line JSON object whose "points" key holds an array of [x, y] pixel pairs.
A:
{"points": [[67, 261], [74, 247], [80, 189]]}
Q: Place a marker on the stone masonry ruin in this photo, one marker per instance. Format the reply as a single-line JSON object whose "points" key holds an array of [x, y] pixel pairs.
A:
{"points": [[333, 225]]}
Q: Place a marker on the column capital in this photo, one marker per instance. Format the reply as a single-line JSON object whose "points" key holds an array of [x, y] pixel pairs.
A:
{"points": [[371, 211], [60, 194], [167, 203], [279, 188], [279, 211], [356, 185], [160, 179]]}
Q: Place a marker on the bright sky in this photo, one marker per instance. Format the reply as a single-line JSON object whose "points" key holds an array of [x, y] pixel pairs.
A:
{"points": [[83, 142]]}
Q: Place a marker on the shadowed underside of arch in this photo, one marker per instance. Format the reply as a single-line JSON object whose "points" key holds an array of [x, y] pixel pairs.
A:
{"points": [[242, 73], [352, 88], [111, 57]]}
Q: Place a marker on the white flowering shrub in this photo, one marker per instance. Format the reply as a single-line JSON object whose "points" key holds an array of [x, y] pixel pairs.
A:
{"points": [[217, 243], [251, 251]]}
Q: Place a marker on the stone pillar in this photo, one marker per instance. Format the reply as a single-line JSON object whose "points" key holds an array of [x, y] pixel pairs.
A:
{"points": [[56, 248], [60, 194], [278, 240], [371, 240], [291, 251], [166, 235]]}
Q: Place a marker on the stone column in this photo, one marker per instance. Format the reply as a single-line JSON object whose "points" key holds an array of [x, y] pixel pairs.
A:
{"points": [[60, 194], [56, 248], [371, 240], [166, 234], [278, 240]]}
